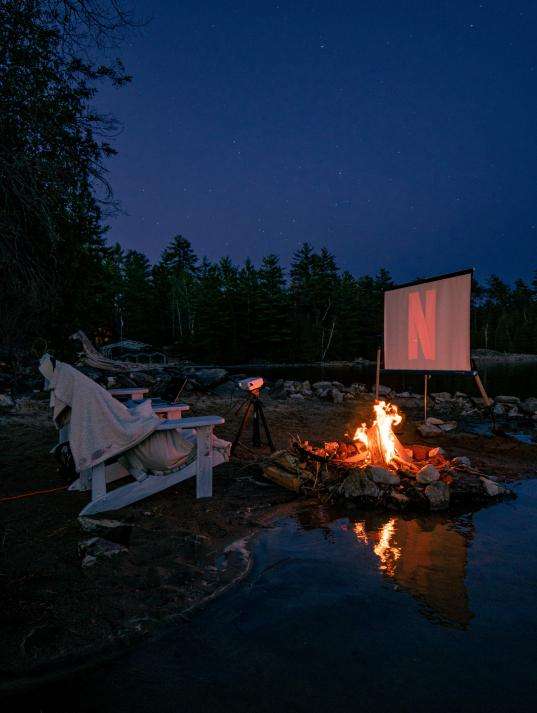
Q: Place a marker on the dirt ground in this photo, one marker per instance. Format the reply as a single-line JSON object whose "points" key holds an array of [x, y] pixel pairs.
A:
{"points": [[56, 613]]}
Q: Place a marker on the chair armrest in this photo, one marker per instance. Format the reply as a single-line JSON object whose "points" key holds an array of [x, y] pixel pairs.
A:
{"points": [[191, 422], [132, 392]]}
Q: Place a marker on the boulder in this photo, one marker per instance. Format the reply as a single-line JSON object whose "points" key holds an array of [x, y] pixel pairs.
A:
{"points": [[400, 500], [357, 485], [432, 421], [529, 406], [507, 400], [442, 396], [438, 495], [322, 386], [97, 547], [207, 378], [306, 388], [113, 530], [383, 390], [382, 476], [337, 396], [462, 461], [428, 430], [492, 489], [6, 401], [427, 475], [448, 426]]}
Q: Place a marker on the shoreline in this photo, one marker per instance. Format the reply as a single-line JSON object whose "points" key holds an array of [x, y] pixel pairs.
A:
{"points": [[182, 553]]}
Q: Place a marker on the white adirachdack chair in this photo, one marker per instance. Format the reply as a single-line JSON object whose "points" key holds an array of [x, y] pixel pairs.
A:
{"points": [[209, 451]]}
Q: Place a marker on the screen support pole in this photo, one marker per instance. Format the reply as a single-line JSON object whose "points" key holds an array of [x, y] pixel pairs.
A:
{"points": [[377, 376], [425, 384], [486, 398]]}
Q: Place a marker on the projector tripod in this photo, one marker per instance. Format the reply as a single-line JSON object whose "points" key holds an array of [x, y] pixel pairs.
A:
{"points": [[253, 404]]}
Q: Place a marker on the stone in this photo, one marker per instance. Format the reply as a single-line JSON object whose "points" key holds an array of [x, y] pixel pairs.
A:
{"points": [[442, 396], [337, 396], [338, 385], [322, 385], [97, 547], [400, 499], [529, 406], [513, 412], [427, 475], [492, 489], [289, 387], [498, 410], [297, 397], [383, 390], [206, 378], [461, 460], [507, 400], [6, 401], [348, 397], [438, 495], [460, 395], [382, 476], [356, 485], [428, 430], [448, 426], [432, 421], [438, 451], [306, 388], [358, 388]]}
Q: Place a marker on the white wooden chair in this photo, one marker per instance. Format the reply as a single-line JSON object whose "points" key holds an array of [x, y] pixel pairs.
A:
{"points": [[97, 478]]}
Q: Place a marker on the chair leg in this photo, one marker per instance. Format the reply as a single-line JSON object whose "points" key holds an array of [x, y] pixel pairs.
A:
{"points": [[204, 469], [98, 482]]}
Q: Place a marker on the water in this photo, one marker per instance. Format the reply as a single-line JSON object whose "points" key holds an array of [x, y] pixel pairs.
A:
{"points": [[507, 379], [369, 612]]}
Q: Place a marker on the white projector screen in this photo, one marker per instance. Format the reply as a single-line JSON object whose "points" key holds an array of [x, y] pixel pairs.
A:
{"points": [[427, 325]]}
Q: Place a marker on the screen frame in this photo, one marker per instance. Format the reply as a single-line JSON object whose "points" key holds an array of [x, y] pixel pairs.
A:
{"points": [[458, 273]]}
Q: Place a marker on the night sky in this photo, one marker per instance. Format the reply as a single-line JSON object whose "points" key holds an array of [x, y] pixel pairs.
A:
{"points": [[398, 134]]}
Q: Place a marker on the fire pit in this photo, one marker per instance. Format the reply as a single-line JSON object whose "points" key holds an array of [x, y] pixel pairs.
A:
{"points": [[373, 468]]}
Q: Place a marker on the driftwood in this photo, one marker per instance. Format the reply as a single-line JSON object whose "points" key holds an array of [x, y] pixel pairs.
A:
{"points": [[92, 357]]}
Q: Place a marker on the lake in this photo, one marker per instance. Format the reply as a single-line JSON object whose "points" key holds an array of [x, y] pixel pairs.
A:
{"points": [[507, 379], [347, 611]]}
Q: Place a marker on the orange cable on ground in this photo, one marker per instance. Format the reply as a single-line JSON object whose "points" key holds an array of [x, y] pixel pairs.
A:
{"points": [[34, 492]]}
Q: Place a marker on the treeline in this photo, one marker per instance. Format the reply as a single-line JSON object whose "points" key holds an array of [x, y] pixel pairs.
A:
{"points": [[58, 273], [311, 312]]}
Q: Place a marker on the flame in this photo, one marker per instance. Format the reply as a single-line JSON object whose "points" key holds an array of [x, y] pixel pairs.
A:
{"points": [[387, 416]]}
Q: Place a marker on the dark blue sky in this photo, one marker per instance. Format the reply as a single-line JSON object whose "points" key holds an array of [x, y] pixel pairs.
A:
{"points": [[398, 134]]}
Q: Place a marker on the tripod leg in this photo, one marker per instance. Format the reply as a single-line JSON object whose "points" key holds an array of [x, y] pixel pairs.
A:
{"points": [[266, 428], [256, 435], [241, 427]]}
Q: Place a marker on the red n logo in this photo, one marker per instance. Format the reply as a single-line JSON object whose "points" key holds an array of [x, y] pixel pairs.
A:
{"points": [[422, 325]]}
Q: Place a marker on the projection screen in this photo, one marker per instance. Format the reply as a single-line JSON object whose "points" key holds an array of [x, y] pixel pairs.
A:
{"points": [[427, 324]]}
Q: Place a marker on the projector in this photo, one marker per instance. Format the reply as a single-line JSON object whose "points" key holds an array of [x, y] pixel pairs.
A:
{"points": [[252, 383]]}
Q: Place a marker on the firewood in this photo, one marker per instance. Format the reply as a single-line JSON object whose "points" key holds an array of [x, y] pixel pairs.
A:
{"points": [[282, 477]]}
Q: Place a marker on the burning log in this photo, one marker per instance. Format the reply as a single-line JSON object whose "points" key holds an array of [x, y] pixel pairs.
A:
{"points": [[374, 467]]}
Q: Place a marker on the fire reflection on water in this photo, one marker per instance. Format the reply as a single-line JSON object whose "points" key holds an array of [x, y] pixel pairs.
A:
{"points": [[384, 548], [426, 557]]}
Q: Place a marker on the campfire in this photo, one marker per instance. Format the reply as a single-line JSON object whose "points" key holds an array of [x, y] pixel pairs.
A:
{"points": [[376, 444], [373, 467]]}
